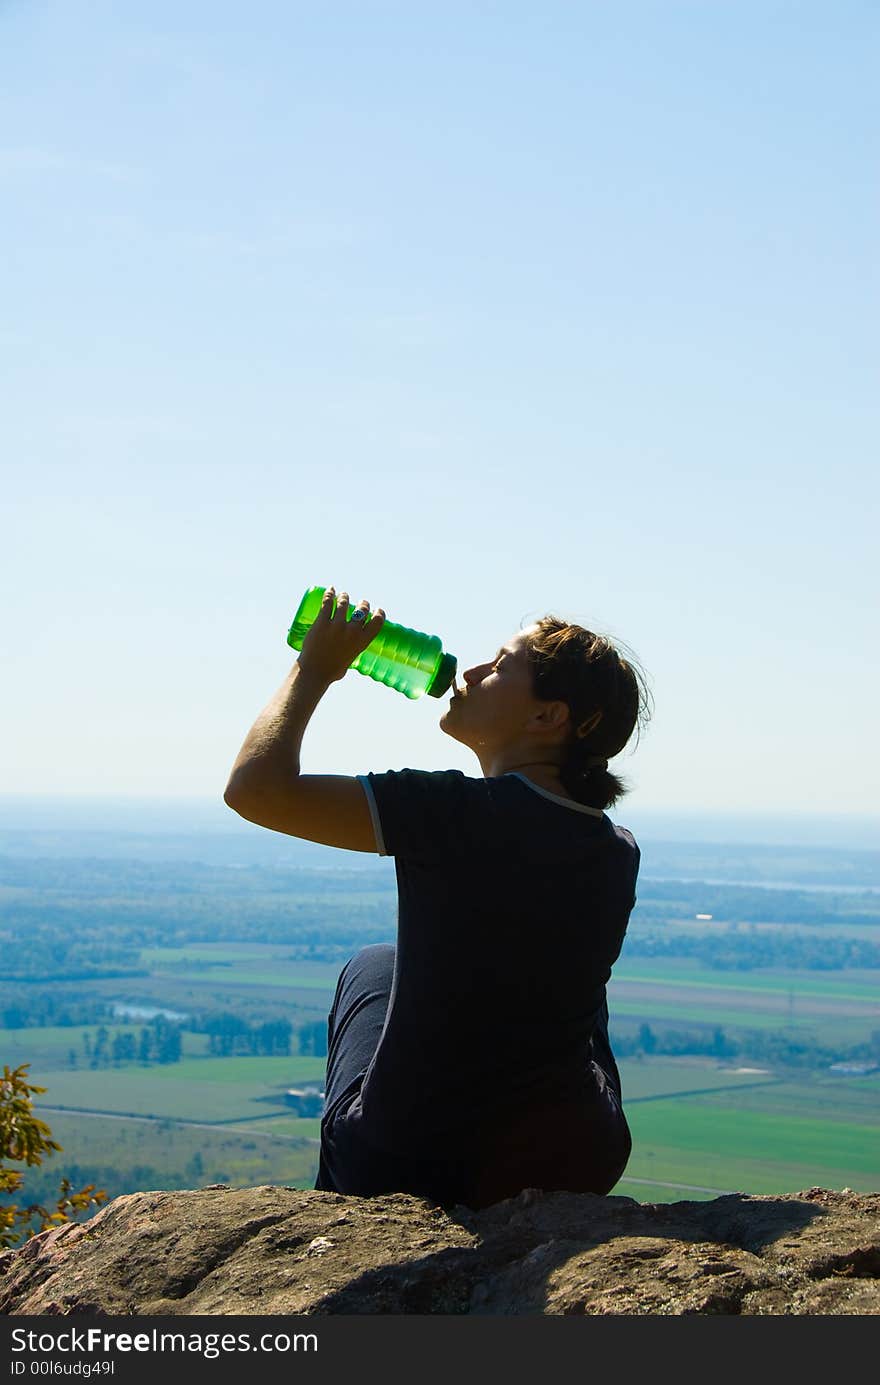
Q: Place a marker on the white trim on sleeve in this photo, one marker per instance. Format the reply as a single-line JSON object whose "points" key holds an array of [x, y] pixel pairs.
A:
{"points": [[374, 812]]}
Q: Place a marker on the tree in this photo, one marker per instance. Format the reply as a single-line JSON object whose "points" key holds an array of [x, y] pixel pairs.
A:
{"points": [[145, 1047], [26, 1140], [196, 1166], [124, 1048], [100, 1052], [313, 1038], [168, 1041], [273, 1037], [229, 1034]]}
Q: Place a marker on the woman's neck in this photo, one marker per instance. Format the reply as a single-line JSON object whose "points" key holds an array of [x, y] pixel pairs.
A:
{"points": [[544, 773]]}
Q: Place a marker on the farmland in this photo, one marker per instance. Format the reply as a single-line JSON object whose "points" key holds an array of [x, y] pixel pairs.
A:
{"points": [[778, 1138], [698, 1127], [725, 1041], [697, 1124]]}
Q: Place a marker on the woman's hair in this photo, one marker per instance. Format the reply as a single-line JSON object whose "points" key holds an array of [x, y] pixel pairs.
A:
{"points": [[585, 670]]}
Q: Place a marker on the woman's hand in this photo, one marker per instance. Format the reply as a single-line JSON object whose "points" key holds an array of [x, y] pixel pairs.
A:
{"points": [[333, 641]]}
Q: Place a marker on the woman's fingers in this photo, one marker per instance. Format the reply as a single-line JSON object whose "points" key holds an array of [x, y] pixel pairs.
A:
{"points": [[372, 623]]}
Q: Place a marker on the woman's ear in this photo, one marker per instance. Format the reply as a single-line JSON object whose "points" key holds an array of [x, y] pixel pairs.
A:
{"points": [[553, 714]]}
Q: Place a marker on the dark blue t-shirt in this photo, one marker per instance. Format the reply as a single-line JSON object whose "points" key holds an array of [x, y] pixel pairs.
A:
{"points": [[513, 904]]}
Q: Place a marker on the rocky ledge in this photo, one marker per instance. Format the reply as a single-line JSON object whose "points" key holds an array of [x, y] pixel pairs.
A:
{"points": [[223, 1250]]}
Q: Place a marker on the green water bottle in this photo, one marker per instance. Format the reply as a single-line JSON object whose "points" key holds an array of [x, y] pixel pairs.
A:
{"points": [[407, 660]]}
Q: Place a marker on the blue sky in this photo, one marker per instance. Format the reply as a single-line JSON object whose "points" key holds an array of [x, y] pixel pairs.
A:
{"points": [[479, 311]]}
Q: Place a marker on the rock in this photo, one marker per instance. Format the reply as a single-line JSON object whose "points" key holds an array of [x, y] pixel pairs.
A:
{"points": [[223, 1250]]}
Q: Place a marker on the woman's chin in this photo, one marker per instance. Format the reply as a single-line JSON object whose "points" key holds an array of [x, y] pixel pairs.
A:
{"points": [[449, 730]]}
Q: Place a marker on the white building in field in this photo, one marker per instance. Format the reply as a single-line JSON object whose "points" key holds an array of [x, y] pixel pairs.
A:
{"points": [[306, 1101]]}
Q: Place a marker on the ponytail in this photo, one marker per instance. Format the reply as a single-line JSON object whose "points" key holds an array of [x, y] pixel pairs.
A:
{"points": [[608, 699]]}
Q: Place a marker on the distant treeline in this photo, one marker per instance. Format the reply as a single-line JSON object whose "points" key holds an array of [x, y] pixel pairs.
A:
{"points": [[721, 947], [161, 1041], [75, 940], [41, 1184], [230, 1034], [726, 949], [65, 1005], [88, 919], [27, 1007], [674, 899], [157, 1042], [776, 1047]]}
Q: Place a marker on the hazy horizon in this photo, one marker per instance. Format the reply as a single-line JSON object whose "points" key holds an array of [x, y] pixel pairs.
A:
{"points": [[156, 815]]}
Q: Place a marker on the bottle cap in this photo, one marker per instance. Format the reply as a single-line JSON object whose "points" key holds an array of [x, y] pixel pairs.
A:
{"points": [[443, 676]]}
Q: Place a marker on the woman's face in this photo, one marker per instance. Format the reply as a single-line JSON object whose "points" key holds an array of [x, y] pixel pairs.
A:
{"points": [[497, 705]]}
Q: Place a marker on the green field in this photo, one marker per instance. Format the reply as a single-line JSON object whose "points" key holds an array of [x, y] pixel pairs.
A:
{"points": [[665, 989], [296, 1127], [123, 1155], [625, 1006], [738, 1142], [211, 1090], [261, 980], [699, 1126], [49, 1047], [646, 1079], [242, 965], [698, 1130], [685, 972], [829, 1008], [696, 1124]]}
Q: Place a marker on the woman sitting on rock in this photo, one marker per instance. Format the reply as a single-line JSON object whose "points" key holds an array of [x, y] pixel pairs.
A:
{"points": [[471, 1059]]}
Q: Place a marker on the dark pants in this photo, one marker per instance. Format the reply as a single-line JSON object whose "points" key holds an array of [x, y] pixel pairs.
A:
{"points": [[354, 1027]]}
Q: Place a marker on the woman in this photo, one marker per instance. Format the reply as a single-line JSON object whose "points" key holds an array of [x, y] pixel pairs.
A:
{"points": [[472, 1060]]}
